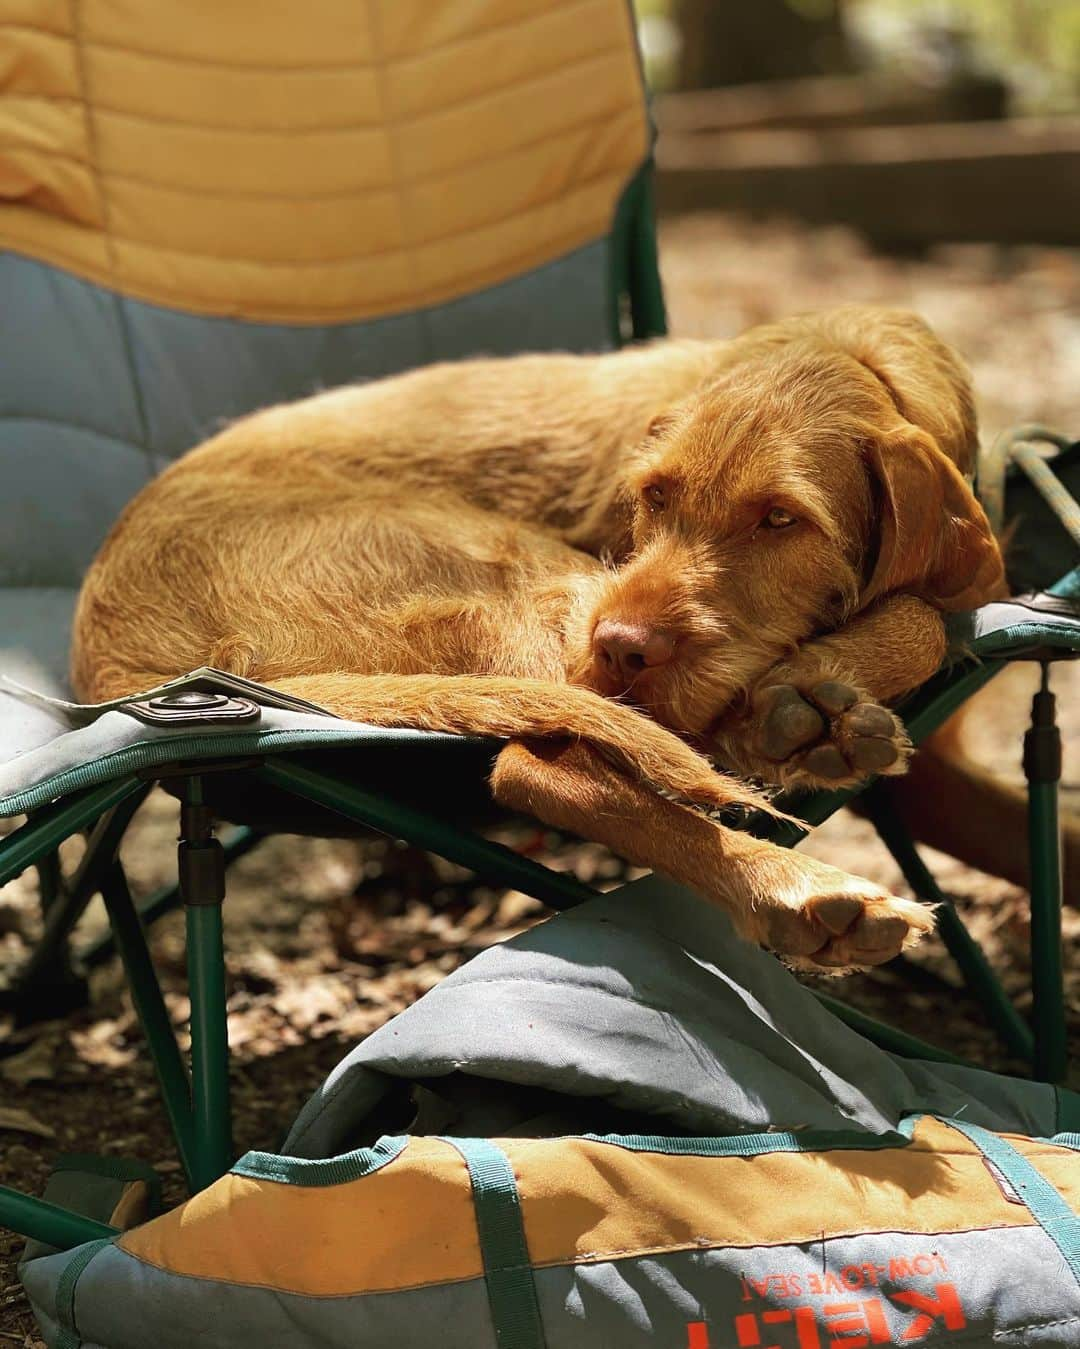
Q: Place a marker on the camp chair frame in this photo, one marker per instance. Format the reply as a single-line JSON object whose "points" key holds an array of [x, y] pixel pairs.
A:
{"points": [[197, 1101]]}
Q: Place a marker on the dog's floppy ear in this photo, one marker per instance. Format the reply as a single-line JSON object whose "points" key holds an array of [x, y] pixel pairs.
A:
{"points": [[934, 539]]}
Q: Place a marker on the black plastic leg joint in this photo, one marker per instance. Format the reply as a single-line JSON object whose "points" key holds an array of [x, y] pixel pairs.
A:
{"points": [[200, 857], [1042, 741], [202, 873]]}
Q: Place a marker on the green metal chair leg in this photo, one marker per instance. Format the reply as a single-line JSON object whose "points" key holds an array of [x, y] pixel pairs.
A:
{"points": [[1042, 767], [202, 891], [31, 996], [209, 1045], [46, 1222], [965, 951], [885, 1036], [50, 827], [153, 1015], [239, 843]]}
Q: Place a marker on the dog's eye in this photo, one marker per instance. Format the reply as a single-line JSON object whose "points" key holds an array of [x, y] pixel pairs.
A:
{"points": [[655, 496], [778, 518]]}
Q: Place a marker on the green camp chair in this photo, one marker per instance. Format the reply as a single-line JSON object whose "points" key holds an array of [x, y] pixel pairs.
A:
{"points": [[122, 358]]}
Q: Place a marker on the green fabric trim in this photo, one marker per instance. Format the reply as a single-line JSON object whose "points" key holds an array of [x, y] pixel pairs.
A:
{"points": [[65, 1292], [1064, 1140], [1046, 1205], [150, 754], [515, 1312], [321, 1171], [1057, 636], [753, 1145]]}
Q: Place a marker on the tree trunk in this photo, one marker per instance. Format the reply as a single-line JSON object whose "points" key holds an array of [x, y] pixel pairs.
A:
{"points": [[743, 41]]}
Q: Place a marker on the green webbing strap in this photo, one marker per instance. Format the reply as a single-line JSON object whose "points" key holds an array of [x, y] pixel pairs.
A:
{"points": [[65, 1292], [508, 1271], [1045, 1204]]}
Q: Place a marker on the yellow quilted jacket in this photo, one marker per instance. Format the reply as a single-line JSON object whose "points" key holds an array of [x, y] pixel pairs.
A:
{"points": [[343, 159]]}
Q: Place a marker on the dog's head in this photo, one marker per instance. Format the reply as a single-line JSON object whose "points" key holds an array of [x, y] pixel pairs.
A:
{"points": [[815, 476]]}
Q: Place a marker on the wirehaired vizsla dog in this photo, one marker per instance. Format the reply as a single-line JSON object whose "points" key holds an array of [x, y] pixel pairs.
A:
{"points": [[627, 564]]}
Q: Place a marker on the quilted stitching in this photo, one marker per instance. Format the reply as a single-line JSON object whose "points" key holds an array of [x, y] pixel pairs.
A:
{"points": [[395, 155]]}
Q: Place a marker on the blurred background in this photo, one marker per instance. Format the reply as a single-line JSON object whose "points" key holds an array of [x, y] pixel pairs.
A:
{"points": [[923, 153], [996, 57]]}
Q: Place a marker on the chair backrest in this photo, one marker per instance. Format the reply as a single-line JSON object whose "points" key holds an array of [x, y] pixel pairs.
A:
{"points": [[208, 208]]}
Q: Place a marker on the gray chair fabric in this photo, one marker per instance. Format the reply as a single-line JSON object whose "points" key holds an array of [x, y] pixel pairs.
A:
{"points": [[645, 1001]]}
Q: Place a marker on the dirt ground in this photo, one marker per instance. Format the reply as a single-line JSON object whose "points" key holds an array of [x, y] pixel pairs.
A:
{"points": [[327, 939]]}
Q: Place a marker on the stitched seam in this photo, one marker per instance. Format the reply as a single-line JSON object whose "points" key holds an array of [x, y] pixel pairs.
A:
{"points": [[334, 262], [275, 312], [173, 1273], [108, 237], [719, 1244], [614, 114], [176, 59], [454, 105], [408, 250], [111, 236], [279, 69], [400, 186], [63, 33], [74, 426], [1032, 1325]]}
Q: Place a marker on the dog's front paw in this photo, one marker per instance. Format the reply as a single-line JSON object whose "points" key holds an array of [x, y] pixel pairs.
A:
{"points": [[825, 734], [824, 919]]}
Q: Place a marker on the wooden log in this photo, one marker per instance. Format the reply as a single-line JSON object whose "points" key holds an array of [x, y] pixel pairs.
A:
{"points": [[829, 101], [1009, 182]]}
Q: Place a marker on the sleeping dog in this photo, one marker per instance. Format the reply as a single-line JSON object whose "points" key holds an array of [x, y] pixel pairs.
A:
{"points": [[633, 566]]}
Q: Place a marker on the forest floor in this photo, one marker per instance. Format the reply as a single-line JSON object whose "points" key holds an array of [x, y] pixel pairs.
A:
{"points": [[327, 939]]}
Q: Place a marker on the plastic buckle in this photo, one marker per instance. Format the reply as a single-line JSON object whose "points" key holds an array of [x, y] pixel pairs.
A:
{"points": [[194, 708]]}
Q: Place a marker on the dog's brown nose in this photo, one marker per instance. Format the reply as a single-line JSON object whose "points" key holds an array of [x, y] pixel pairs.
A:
{"points": [[625, 649]]}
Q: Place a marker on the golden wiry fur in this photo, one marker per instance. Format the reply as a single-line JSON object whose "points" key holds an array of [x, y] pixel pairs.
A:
{"points": [[438, 550]]}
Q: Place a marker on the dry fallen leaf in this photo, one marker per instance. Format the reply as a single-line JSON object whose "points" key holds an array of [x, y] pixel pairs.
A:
{"points": [[35, 1064], [21, 1121]]}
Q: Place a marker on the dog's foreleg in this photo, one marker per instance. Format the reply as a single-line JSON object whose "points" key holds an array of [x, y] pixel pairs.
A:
{"points": [[802, 909]]}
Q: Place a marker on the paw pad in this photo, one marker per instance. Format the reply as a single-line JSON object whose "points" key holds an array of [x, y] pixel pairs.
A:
{"points": [[827, 734], [841, 930]]}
